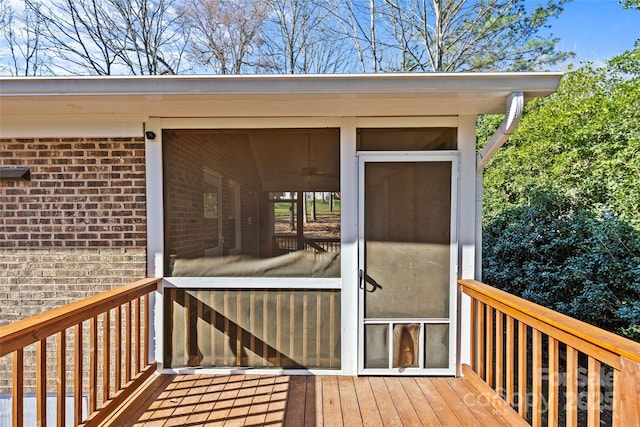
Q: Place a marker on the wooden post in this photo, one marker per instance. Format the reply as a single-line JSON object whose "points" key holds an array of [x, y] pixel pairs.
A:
{"points": [[61, 378], [17, 388], [627, 410], [301, 202], [41, 382]]}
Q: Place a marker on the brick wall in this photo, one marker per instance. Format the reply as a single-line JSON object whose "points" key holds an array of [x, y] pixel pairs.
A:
{"points": [[83, 193], [76, 229]]}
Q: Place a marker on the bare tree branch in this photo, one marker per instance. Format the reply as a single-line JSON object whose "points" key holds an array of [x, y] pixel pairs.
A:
{"points": [[224, 33]]}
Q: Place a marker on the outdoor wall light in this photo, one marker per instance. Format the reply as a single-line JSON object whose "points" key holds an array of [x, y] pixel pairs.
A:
{"points": [[15, 174], [150, 134]]}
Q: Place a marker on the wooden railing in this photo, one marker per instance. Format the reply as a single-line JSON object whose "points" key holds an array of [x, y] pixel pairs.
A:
{"points": [[117, 353], [551, 368], [290, 243]]}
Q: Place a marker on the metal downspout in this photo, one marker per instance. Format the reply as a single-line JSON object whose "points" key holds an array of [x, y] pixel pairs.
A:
{"points": [[515, 107]]}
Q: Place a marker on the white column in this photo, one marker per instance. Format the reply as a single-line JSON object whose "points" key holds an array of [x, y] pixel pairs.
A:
{"points": [[155, 233], [467, 228], [349, 250]]}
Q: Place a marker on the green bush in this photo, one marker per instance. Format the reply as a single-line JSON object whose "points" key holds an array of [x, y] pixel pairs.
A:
{"points": [[562, 199], [555, 254]]}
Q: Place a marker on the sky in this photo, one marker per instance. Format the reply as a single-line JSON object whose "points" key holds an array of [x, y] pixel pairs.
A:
{"points": [[596, 30]]}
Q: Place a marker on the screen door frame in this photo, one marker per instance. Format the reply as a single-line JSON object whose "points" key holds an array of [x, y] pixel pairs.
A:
{"points": [[453, 157]]}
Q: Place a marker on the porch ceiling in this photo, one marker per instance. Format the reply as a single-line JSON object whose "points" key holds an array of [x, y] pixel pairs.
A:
{"points": [[140, 98]]}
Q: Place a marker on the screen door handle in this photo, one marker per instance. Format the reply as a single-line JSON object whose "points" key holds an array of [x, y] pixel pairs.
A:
{"points": [[361, 279]]}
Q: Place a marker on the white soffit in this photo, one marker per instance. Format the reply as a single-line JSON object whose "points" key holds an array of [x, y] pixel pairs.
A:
{"points": [[125, 101]]}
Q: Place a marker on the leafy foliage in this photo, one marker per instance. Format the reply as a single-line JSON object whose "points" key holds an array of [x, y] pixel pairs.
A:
{"points": [[562, 201], [630, 3], [566, 258]]}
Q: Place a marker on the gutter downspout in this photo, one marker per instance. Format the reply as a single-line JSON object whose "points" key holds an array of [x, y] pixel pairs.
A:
{"points": [[515, 107]]}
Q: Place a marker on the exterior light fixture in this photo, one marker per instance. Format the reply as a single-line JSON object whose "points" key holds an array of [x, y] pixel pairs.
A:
{"points": [[15, 174], [150, 134]]}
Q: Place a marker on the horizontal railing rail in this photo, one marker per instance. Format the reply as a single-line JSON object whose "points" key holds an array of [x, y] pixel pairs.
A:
{"points": [[551, 368], [117, 353], [290, 243]]}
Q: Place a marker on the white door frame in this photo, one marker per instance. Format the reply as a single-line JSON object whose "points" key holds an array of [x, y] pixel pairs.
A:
{"points": [[423, 156]]}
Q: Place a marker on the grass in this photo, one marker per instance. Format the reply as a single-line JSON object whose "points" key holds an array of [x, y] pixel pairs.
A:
{"points": [[281, 209]]}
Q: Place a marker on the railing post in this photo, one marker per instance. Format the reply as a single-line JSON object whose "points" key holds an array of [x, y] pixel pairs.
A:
{"points": [[489, 349], [474, 335], [593, 392], [118, 349], [536, 409], [93, 364], [106, 355], [61, 377], [17, 389], [127, 342], [41, 382], [572, 387], [77, 366], [522, 369], [510, 355], [552, 404], [139, 348], [627, 409]]}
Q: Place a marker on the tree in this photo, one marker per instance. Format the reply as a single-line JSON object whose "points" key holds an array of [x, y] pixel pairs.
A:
{"points": [[22, 34], [455, 35], [491, 35], [224, 34], [106, 37], [80, 33], [287, 36], [301, 38], [562, 200], [150, 42], [630, 3], [358, 23]]}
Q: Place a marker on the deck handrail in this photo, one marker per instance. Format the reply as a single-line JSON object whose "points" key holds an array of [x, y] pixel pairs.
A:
{"points": [[27, 331], [501, 354], [130, 354], [585, 331]]}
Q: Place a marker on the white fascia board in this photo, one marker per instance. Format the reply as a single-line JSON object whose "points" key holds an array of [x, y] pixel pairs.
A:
{"points": [[42, 101], [281, 84]]}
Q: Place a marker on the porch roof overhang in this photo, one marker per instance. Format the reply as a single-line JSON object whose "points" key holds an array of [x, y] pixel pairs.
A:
{"points": [[139, 98]]}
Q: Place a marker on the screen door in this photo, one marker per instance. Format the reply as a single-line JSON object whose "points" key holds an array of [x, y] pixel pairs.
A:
{"points": [[407, 262]]}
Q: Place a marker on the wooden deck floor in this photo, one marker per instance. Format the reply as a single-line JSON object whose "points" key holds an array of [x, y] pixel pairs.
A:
{"points": [[257, 400]]}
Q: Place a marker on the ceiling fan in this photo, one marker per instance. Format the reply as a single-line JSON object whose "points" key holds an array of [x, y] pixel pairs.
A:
{"points": [[308, 170]]}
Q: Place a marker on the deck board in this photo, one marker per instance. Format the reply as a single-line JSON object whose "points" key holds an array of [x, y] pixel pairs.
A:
{"points": [[280, 400], [482, 413], [331, 407], [387, 409], [260, 403], [457, 405], [420, 403], [295, 411], [402, 402], [444, 413], [368, 407], [351, 415]]}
